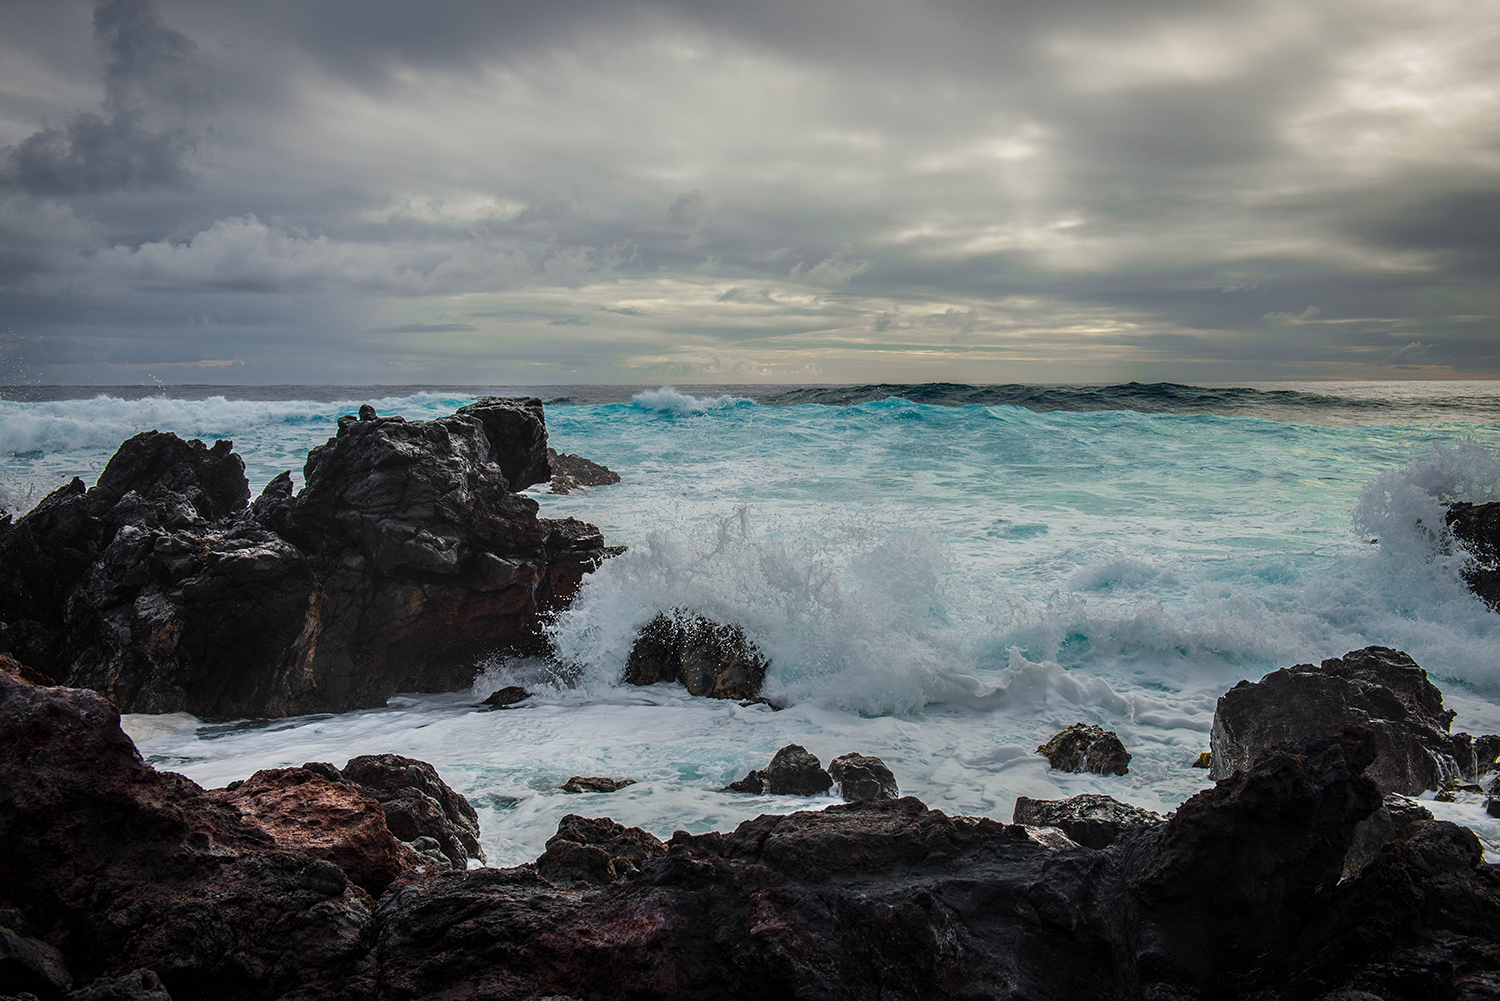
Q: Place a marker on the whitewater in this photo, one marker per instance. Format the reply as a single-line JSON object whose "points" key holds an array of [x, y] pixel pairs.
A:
{"points": [[942, 576]]}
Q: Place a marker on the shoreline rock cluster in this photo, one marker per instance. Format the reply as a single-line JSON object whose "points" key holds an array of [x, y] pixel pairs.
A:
{"points": [[117, 874], [407, 556]]}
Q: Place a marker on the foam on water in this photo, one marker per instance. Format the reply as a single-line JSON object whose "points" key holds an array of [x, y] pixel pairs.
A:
{"points": [[943, 586]]}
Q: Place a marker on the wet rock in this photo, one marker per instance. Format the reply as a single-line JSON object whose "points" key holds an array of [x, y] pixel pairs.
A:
{"points": [[796, 772], [32, 966], [406, 558], [571, 472], [507, 696], [1377, 687], [861, 777], [1084, 747], [753, 783], [598, 851], [594, 783], [1091, 820], [1460, 791], [1477, 527], [418, 803], [125, 868], [306, 812], [1393, 821], [710, 658]]}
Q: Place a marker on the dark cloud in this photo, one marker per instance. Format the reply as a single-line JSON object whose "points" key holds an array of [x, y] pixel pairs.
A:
{"points": [[147, 66]]}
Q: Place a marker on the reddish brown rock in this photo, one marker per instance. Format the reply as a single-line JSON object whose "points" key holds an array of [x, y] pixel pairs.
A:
{"points": [[307, 813]]}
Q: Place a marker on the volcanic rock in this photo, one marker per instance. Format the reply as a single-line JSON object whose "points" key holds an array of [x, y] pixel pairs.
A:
{"points": [[125, 868], [1393, 821], [861, 777], [406, 557], [594, 783], [710, 658], [418, 804], [1091, 820], [1084, 747], [1477, 527], [1376, 687], [507, 696], [571, 472], [792, 772], [597, 851], [1237, 895]]}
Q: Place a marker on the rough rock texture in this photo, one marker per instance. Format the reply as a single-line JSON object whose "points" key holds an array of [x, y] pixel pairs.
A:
{"points": [[1084, 747], [1376, 687], [1236, 896], [793, 771], [1091, 820], [595, 783], [418, 804], [861, 777], [1393, 821], [308, 813], [405, 558], [570, 472], [507, 696], [125, 868], [1477, 526], [710, 658]]}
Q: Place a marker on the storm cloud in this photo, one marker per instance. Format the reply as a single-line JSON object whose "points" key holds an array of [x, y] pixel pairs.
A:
{"points": [[824, 191]]}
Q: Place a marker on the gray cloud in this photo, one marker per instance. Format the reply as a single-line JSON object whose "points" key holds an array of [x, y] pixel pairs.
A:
{"points": [[1127, 190], [146, 64]]}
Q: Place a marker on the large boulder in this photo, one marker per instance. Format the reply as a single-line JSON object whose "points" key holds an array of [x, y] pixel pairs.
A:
{"points": [[793, 771], [406, 558], [861, 777], [1477, 527], [574, 472], [710, 658], [1376, 687]]}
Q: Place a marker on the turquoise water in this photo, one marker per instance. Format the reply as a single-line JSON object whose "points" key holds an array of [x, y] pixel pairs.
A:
{"points": [[941, 585]]}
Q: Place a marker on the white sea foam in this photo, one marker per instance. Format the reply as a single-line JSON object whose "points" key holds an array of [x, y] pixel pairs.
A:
{"points": [[942, 587]]}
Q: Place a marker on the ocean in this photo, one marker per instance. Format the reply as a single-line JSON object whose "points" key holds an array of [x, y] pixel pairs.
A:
{"points": [[941, 575]]}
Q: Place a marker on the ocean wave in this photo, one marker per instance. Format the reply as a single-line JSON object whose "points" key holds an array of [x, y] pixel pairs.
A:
{"points": [[669, 401]]}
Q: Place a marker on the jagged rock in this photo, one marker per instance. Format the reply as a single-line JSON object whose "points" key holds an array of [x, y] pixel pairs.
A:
{"points": [[792, 772], [596, 850], [1459, 791], [507, 696], [594, 783], [796, 772], [861, 777], [570, 472], [306, 812], [405, 559], [1091, 820], [1393, 821], [1477, 527], [32, 966], [126, 868], [1238, 894], [1084, 747], [1377, 687], [708, 657], [418, 803]]}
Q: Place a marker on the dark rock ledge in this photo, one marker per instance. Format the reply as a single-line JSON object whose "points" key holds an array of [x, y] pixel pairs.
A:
{"points": [[127, 875], [407, 556]]}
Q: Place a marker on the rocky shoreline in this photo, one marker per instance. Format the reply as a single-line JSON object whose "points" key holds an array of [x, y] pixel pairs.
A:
{"points": [[133, 883], [1305, 871]]}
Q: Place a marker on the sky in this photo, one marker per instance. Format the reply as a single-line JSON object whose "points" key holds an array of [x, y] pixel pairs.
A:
{"points": [[785, 191]]}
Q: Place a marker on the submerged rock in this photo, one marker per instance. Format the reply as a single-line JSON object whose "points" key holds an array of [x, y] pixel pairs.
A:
{"points": [[507, 696], [1091, 820], [861, 777], [1376, 687], [1084, 747], [709, 658], [406, 557], [595, 783], [793, 771], [571, 472]]}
